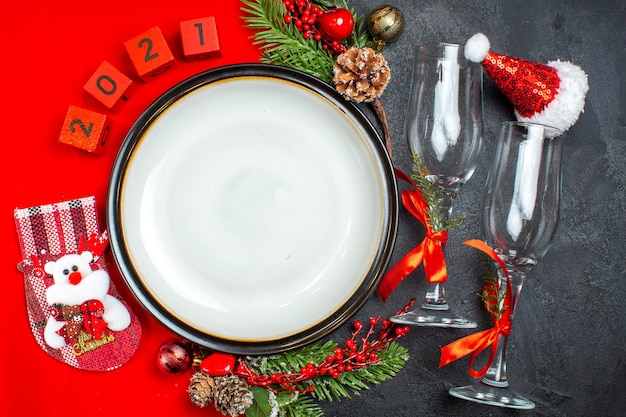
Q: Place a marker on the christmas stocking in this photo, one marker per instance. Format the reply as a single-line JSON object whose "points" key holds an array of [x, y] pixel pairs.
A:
{"points": [[74, 310]]}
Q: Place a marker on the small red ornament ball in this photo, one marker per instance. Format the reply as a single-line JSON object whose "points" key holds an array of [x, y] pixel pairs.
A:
{"points": [[336, 24], [175, 356]]}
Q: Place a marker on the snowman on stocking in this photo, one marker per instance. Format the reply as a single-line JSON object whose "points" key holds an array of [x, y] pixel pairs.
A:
{"points": [[81, 308]]}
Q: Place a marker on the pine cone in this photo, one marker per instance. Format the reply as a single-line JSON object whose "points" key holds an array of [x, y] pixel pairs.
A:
{"points": [[361, 74], [232, 396], [201, 389]]}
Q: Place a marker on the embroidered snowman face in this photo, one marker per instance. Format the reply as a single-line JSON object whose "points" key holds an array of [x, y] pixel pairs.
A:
{"points": [[70, 269], [74, 280]]}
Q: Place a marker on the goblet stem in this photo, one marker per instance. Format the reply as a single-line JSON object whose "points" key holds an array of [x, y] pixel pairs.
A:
{"points": [[435, 298], [434, 310], [493, 387], [496, 373]]}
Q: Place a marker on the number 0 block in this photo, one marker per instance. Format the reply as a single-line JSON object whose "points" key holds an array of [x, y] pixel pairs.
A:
{"points": [[150, 54], [109, 86], [199, 38], [86, 130]]}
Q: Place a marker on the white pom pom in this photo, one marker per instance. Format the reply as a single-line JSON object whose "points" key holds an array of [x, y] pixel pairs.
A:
{"points": [[477, 47]]}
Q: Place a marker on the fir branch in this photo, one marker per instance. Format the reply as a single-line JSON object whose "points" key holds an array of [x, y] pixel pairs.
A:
{"points": [[491, 294], [438, 216], [287, 384], [283, 44], [391, 361], [304, 406], [291, 361], [327, 387]]}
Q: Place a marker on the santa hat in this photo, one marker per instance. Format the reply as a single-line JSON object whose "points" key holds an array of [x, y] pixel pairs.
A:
{"points": [[552, 94]]}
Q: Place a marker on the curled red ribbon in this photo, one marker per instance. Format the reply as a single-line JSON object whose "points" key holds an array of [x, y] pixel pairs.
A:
{"points": [[429, 252], [476, 343]]}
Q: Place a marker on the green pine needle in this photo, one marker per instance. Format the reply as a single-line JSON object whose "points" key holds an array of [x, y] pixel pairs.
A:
{"points": [[491, 295], [282, 44], [303, 406], [348, 384], [433, 195], [327, 388], [293, 360]]}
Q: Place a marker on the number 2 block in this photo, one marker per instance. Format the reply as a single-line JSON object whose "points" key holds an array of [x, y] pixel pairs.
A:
{"points": [[109, 86], [150, 54], [199, 38], [86, 130]]}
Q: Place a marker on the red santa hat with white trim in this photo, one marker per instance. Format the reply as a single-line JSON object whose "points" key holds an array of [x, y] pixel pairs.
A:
{"points": [[552, 94]]}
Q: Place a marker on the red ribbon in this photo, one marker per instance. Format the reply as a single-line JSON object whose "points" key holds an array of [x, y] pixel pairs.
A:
{"points": [[429, 252], [86, 316], [476, 343]]}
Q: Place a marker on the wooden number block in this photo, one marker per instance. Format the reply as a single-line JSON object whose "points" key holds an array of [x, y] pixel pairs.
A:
{"points": [[86, 130], [109, 86], [199, 38], [150, 54]]}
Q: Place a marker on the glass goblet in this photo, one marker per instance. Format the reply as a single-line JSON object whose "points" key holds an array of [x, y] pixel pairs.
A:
{"points": [[444, 134], [520, 215]]}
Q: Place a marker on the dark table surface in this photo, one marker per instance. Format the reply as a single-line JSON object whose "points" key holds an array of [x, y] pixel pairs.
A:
{"points": [[567, 349]]}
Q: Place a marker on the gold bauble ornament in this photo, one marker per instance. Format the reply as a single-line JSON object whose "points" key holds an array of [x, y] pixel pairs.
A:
{"points": [[385, 24]]}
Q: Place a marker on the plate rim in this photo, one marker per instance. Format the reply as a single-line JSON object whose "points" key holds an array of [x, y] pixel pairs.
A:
{"points": [[343, 312]]}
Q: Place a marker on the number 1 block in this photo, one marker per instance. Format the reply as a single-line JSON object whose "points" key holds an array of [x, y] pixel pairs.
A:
{"points": [[150, 54], [109, 86], [199, 38], [86, 130]]}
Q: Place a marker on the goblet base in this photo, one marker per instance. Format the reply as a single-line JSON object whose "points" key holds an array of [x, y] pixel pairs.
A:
{"points": [[441, 316], [485, 393]]}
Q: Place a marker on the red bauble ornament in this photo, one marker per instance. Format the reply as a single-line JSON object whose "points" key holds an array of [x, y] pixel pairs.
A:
{"points": [[218, 364], [175, 356], [336, 24]]}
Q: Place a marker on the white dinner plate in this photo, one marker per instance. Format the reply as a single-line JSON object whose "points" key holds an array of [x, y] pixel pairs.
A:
{"points": [[252, 209]]}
